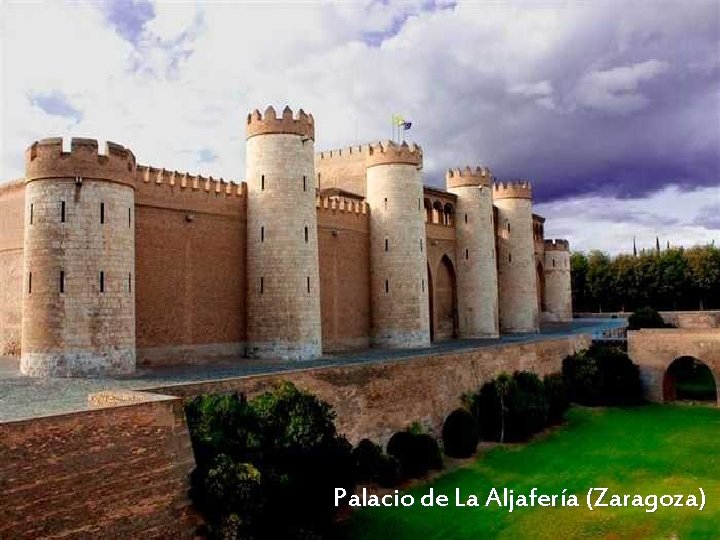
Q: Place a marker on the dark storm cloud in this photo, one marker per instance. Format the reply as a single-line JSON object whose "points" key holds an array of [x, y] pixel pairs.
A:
{"points": [[624, 104]]}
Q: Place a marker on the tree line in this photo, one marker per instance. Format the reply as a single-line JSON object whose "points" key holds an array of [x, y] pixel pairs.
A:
{"points": [[671, 279]]}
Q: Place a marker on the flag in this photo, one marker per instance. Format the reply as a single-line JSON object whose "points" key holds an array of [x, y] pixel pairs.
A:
{"points": [[406, 125], [398, 120]]}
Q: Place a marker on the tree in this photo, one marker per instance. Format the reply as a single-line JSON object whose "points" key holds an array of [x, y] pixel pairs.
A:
{"points": [[598, 278], [704, 273]]}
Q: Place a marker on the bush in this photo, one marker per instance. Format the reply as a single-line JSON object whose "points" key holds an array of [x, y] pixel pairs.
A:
{"points": [[416, 453], [602, 375], [460, 434], [646, 317], [373, 465], [556, 397], [510, 408], [277, 453]]}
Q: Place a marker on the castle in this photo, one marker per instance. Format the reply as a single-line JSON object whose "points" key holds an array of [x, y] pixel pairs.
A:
{"points": [[106, 264]]}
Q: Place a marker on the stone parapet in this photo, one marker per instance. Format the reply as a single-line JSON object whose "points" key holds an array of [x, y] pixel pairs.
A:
{"points": [[557, 244], [391, 153], [268, 123], [517, 189], [45, 159], [479, 176]]}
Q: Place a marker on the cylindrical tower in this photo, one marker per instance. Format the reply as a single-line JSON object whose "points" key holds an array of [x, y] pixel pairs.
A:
{"points": [[558, 293], [282, 246], [517, 278], [400, 308], [475, 241], [78, 294]]}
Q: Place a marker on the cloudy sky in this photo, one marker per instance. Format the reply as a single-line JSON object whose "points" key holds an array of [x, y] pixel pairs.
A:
{"points": [[611, 109]]}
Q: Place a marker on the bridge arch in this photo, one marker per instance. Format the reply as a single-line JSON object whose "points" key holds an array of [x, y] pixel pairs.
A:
{"points": [[688, 378], [656, 350]]}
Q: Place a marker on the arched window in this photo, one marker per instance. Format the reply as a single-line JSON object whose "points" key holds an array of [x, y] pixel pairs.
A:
{"points": [[437, 212], [448, 215]]}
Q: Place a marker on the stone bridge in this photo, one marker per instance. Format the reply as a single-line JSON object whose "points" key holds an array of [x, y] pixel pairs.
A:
{"points": [[654, 350]]}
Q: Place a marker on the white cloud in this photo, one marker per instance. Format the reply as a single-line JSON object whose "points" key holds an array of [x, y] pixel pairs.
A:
{"points": [[489, 83], [672, 214], [616, 90]]}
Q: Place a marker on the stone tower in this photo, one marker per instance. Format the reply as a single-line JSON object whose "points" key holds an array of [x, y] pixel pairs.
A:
{"points": [[78, 307], [283, 291], [475, 249], [399, 288], [558, 293], [517, 278]]}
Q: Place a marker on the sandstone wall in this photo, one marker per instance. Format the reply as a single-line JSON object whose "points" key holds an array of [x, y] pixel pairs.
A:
{"points": [[557, 286], [400, 316], [120, 472], [517, 274], [377, 399], [282, 255], [477, 268], [344, 253], [12, 221], [190, 268], [79, 260]]}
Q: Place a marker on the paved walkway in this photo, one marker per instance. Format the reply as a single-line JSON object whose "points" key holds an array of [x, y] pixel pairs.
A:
{"points": [[25, 397]]}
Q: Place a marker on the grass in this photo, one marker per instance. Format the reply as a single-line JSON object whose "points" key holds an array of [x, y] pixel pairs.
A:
{"points": [[645, 450]]}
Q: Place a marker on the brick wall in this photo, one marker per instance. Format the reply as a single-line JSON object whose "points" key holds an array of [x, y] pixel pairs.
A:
{"points": [[120, 472], [344, 253], [190, 266], [12, 202], [375, 400]]}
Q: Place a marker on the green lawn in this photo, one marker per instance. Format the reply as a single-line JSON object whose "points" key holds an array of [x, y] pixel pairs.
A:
{"points": [[644, 450]]}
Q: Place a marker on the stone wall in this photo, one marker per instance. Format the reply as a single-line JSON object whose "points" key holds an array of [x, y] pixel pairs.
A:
{"points": [[12, 208], [120, 472], [655, 349], [517, 272], [283, 291], [400, 316], [79, 272], [375, 400]]}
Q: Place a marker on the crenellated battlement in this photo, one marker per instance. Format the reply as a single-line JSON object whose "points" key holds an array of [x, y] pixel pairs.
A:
{"points": [[557, 244], [269, 123], [479, 176], [358, 150], [389, 153], [45, 159], [342, 204], [513, 189], [186, 181]]}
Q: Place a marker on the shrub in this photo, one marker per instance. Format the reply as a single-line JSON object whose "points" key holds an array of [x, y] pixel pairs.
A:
{"points": [[416, 453], [646, 317], [510, 408], [460, 434], [277, 453], [602, 375], [527, 406], [556, 397], [373, 465]]}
